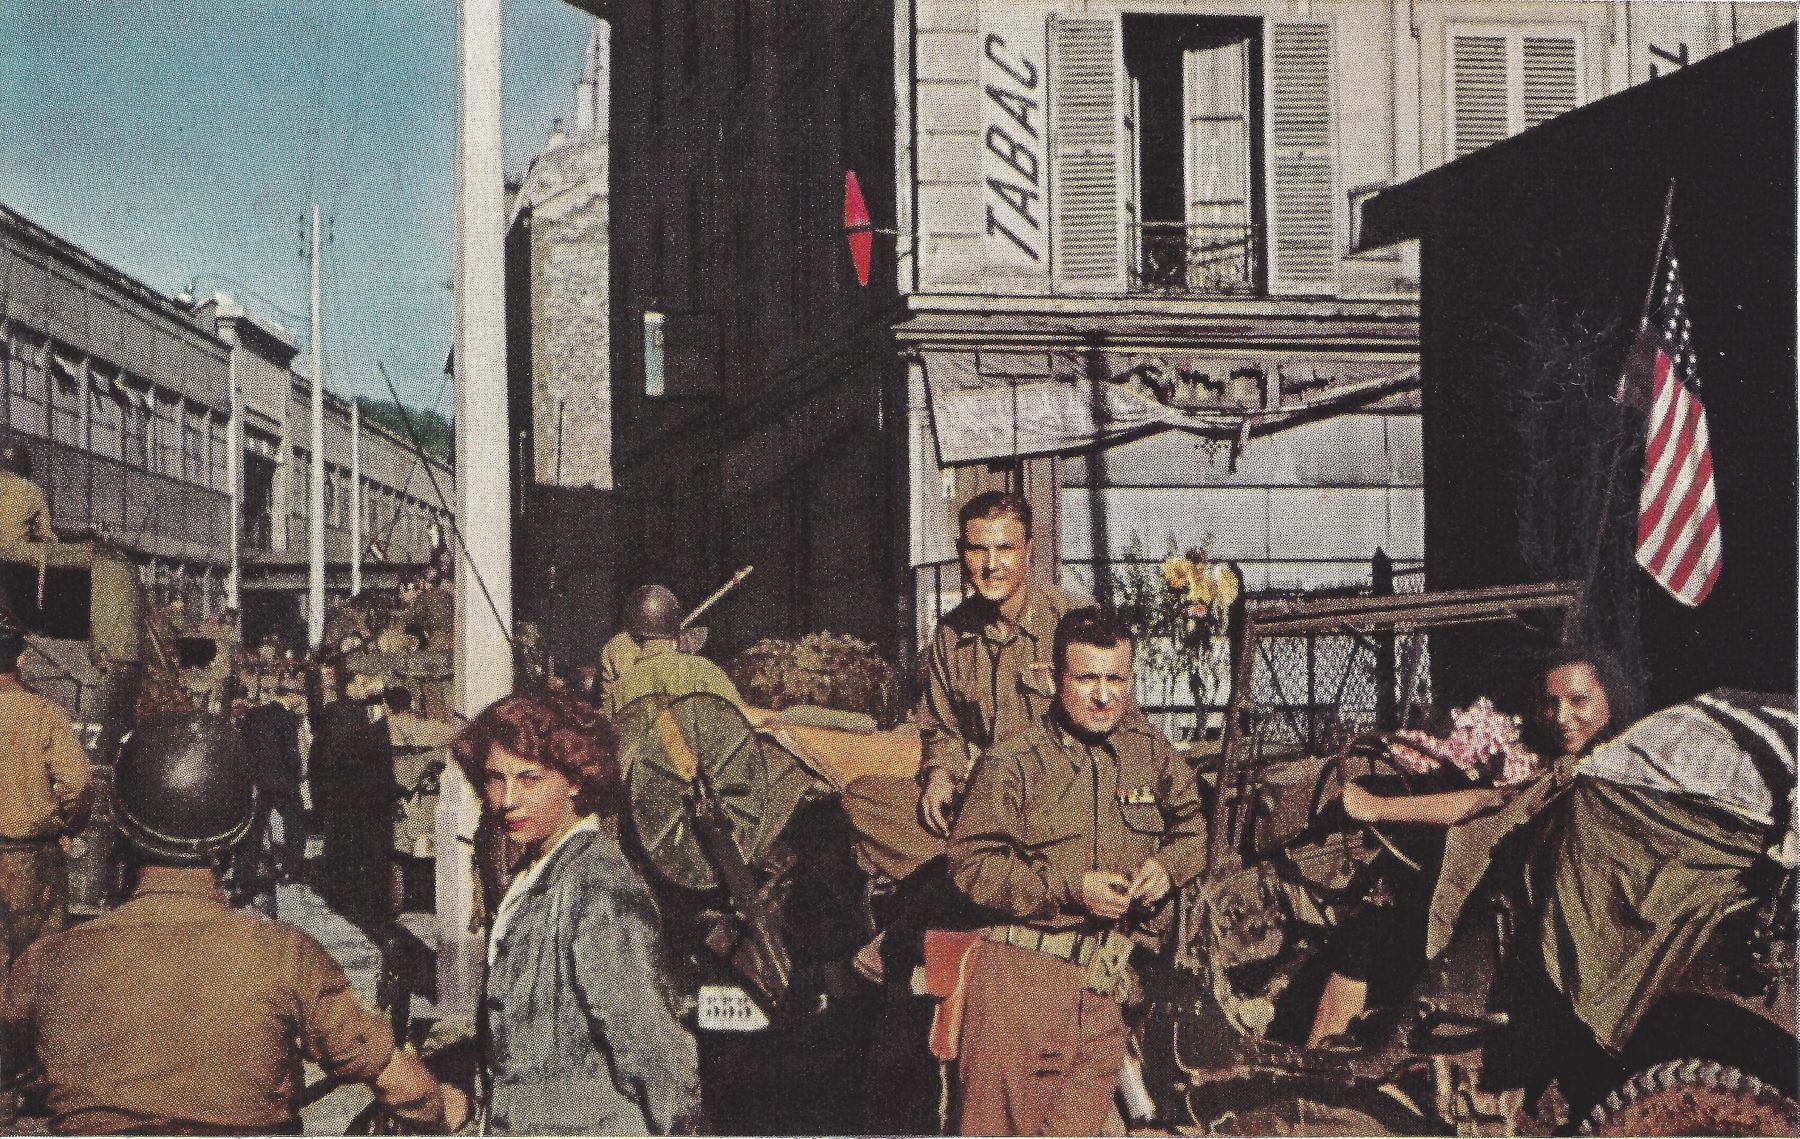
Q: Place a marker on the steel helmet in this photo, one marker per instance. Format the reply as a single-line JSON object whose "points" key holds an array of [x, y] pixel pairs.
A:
{"points": [[184, 788], [652, 611]]}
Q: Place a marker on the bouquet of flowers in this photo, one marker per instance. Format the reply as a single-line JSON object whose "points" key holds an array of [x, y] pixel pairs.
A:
{"points": [[1482, 742], [1203, 590]]}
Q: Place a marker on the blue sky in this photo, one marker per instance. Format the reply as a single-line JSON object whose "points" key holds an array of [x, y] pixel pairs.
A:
{"points": [[183, 142]]}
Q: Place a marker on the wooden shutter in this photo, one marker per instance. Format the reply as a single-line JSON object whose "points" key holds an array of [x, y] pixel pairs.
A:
{"points": [[1478, 92], [1087, 207], [1506, 81], [1550, 78], [1302, 167], [1215, 85]]}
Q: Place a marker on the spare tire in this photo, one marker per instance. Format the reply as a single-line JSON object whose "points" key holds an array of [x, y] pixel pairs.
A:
{"points": [[1691, 1096]]}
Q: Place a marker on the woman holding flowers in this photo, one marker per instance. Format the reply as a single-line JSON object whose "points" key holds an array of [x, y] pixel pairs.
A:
{"points": [[1379, 948], [1482, 762]]}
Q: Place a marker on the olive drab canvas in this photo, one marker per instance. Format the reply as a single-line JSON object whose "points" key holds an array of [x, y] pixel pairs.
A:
{"points": [[906, 567]]}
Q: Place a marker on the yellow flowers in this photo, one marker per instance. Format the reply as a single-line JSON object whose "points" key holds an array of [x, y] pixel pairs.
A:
{"points": [[1203, 588]]}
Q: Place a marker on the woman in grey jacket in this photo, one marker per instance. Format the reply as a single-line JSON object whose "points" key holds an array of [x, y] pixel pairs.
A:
{"points": [[579, 1034]]}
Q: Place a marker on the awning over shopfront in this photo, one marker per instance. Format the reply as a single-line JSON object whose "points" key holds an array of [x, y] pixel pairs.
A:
{"points": [[988, 405]]}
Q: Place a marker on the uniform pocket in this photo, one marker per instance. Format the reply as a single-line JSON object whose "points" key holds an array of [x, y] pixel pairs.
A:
{"points": [[1144, 818], [1036, 679]]}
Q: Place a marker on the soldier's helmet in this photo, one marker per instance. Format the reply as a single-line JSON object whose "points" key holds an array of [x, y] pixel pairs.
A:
{"points": [[184, 789], [16, 457], [652, 611]]}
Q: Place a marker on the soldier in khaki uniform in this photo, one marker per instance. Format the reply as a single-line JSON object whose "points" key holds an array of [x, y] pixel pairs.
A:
{"points": [[989, 661], [44, 797], [1072, 836], [176, 1014], [24, 514], [652, 621]]}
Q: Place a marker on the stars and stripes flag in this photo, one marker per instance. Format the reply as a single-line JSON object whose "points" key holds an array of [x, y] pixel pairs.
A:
{"points": [[1678, 515]]}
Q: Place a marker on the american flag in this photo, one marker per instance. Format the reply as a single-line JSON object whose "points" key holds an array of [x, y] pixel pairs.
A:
{"points": [[1678, 515]]}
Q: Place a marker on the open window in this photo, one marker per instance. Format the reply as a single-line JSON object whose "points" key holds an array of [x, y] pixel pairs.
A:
{"points": [[1194, 146]]}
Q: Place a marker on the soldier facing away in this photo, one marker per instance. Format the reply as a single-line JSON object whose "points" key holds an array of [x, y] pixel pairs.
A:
{"points": [[649, 658], [44, 797], [24, 513], [177, 1014]]}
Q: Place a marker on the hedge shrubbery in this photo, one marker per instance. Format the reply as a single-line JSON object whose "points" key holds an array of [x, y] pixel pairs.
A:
{"points": [[825, 669]]}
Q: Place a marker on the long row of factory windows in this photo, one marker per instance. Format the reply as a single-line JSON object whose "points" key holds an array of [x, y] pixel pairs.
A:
{"points": [[59, 393]]}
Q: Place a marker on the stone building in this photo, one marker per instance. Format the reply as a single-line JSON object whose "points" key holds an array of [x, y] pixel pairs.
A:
{"points": [[558, 355], [1115, 267]]}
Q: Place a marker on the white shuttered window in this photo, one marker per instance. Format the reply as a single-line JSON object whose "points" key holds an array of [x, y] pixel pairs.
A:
{"points": [[1302, 160], [1087, 207], [1505, 80]]}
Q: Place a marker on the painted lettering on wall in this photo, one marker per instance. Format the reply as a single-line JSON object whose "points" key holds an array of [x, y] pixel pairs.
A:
{"points": [[1012, 139]]}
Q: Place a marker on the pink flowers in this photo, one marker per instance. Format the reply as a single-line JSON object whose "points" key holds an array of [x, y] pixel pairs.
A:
{"points": [[1484, 743]]}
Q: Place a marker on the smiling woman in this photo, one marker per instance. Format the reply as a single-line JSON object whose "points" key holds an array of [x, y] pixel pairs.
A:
{"points": [[577, 922]]}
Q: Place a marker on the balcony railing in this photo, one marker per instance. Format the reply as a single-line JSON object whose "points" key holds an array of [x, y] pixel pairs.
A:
{"points": [[1205, 259]]}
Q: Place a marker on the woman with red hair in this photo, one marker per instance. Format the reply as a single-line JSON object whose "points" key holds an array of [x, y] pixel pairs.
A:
{"points": [[581, 1035]]}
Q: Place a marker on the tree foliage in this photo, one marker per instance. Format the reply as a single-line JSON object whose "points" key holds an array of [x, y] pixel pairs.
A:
{"points": [[437, 433]]}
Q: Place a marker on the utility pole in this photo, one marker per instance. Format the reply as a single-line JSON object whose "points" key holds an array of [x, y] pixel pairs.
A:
{"points": [[356, 519], [315, 530], [234, 477], [483, 664]]}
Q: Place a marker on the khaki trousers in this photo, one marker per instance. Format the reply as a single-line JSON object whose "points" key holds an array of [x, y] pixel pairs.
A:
{"points": [[1040, 1054]]}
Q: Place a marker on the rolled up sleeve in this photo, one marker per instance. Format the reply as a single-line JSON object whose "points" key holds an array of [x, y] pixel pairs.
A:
{"points": [[66, 760], [939, 730], [336, 1031]]}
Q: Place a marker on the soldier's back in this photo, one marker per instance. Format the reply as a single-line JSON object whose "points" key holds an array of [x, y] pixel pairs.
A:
{"points": [[673, 674], [175, 1009]]}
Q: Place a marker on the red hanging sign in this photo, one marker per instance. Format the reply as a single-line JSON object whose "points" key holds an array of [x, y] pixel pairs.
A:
{"points": [[857, 227]]}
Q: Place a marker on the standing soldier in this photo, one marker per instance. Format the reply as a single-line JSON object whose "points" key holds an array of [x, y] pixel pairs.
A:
{"points": [[989, 658], [24, 515], [175, 1013], [1073, 835], [44, 797]]}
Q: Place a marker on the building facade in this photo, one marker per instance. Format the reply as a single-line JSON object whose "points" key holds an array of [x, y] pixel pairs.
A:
{"points": [[382, 497], [134, 404], [1115, 268], [1539, 253], [558, 353], [123, 400]]}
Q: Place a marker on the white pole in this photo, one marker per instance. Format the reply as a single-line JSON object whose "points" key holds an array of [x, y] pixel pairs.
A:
{"points": [[483, 495], [483, 654], [315, 531], [234, 475], [356, 525]]}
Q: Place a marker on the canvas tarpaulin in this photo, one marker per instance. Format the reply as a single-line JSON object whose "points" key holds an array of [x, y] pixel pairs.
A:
{"points": [[1635, 882]]}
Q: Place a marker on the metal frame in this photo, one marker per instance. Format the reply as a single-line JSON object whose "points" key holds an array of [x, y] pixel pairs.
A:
{"points": [[1346, 616]]}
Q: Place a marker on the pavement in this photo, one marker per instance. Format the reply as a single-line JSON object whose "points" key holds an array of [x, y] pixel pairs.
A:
{"points": [[362, 961], [351, 948]]}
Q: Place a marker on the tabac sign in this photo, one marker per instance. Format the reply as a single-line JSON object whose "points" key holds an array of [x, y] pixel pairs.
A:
{"points": [[1014, 205]]}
